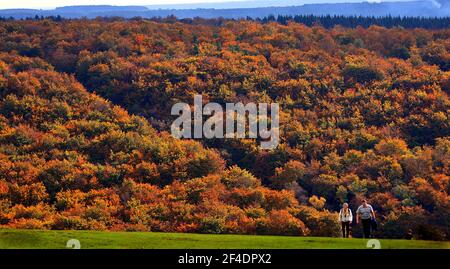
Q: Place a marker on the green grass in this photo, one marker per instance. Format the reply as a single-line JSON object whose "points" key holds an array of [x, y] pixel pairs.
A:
{"points": [[32, 239]]}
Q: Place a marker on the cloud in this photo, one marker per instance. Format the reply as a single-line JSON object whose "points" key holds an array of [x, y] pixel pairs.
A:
{"points": [[436, 3]]}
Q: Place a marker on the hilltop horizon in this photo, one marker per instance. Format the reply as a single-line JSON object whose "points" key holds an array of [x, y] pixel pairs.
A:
{"points": [[181, 4], [411, 8], [50, 4]]}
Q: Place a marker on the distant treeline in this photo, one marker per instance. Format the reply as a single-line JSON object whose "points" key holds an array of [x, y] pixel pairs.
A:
{"points": [[354, 21], [327, 21]]}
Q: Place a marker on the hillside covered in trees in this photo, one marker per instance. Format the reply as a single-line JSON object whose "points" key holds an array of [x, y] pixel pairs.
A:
{"points": [[85, 114]]}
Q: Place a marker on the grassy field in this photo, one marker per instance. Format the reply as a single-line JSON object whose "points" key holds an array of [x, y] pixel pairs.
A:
{"points": [[31, 239]]}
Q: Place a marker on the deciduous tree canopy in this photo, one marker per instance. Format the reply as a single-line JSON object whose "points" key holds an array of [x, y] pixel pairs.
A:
{"points": [[85, 110]]}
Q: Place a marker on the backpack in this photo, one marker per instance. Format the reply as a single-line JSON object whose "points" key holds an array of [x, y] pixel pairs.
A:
{"points": [[374, 224]]}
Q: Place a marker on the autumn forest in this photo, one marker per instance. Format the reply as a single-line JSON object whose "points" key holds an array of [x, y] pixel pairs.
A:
{"points": [[85, 126]]}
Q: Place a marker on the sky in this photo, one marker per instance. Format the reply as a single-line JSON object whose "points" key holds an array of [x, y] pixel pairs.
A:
{"points": [[47, 4]]}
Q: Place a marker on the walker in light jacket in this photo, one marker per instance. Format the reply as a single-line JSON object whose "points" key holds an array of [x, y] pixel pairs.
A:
{"points": [[345, 218]]}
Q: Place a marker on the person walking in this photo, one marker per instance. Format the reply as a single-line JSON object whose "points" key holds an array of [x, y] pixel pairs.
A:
{"points": [[346, 218], [365, 214]]}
